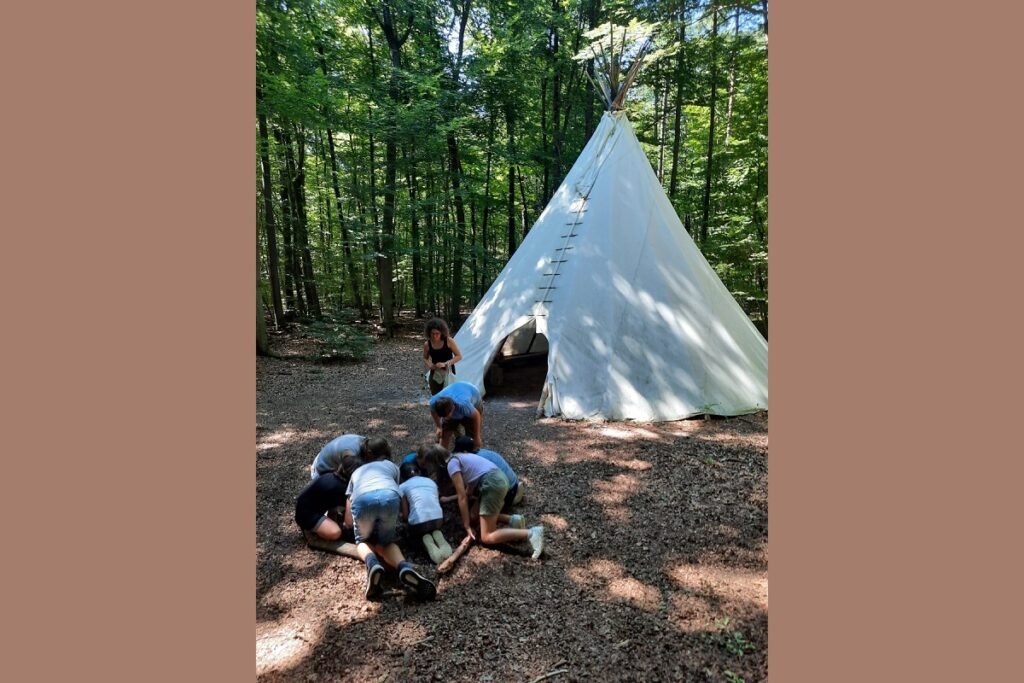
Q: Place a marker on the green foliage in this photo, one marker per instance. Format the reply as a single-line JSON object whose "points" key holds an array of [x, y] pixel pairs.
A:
{"points": [[339, 340], [732, 641], [324, 65]]}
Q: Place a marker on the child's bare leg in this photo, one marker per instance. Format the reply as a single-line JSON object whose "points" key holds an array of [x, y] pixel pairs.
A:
{"points": [[329, 530], [491, 534]]}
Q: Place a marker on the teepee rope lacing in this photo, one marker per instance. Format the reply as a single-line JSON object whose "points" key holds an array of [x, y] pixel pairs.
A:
{"points": [[580, 208]]}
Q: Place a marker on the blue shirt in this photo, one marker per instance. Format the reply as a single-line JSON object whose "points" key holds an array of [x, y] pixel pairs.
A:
{"points": [[464, 395], [501, 464], [345, 442]]}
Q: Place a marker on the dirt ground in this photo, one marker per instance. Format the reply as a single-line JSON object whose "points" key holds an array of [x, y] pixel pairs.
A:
{"points": [[655, 565]]}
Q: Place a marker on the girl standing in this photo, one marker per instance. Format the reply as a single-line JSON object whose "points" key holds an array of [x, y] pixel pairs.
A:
{"points": [[440, 354]]}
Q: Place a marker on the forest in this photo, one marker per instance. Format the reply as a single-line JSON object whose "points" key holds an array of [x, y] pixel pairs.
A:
{"points": [[406, 147]]}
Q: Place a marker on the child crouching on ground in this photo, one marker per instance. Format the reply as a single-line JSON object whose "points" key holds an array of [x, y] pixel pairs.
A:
{"points": [[318, 507], [516, 488], [472, 474], [421, 508], [373, 508]]}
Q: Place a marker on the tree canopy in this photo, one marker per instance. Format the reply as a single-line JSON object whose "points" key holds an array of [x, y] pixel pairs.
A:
{"points": [[405, 147]]}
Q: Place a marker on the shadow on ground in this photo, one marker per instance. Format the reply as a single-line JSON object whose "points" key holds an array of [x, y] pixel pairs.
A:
{"points": [[656, 560]]}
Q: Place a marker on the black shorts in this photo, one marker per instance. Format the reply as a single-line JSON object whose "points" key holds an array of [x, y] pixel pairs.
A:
{"points": [[308, 518], [510, 497]]}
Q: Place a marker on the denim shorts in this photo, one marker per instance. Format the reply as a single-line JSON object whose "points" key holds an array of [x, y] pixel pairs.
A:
{"points": [[375, 517]]}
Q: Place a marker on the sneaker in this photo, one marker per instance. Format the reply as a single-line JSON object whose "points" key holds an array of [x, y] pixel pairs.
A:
{"points": [[517, 522], [437, 555], [418, 584], [537, 540], [442, 545], [373, 576]]}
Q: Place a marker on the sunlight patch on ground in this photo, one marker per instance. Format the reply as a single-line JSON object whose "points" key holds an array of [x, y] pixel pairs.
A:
{"points": [[616, 433], [275, 440], [604, 577], [282, 596], [522, 404], [612, 495], [284, 645], [375, 423], [555, 522], [616, 490], [638, 465], [625, 432], [541, 452], [748, 585]]}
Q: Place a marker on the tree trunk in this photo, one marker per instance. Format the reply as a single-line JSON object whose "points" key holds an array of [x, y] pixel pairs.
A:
{"points": [[268, 209], [711, 129], [510, 127], [360, 279], [732, 77], [677, 135], [262, 344], [556, 108], [522, 199], [659, 108], [302, 228], [546, 188], [484, 255], [593, 13], [474, 246], [385, 238], [292, 294], [414, 224], [429, 239], [455, 168], [346, 238]]}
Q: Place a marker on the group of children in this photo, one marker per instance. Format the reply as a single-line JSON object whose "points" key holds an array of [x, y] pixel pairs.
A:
{"points": [[358, 489]]}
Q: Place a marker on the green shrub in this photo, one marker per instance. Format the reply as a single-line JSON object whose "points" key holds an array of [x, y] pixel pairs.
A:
{"points": [[339, 340]]}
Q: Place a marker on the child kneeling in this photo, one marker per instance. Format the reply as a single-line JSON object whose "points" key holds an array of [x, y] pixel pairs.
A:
{"points": [[372, 508], [421, 508], [472, 474]]}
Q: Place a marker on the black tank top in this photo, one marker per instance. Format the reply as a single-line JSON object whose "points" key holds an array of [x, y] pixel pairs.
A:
{"points": [[442, 354]]}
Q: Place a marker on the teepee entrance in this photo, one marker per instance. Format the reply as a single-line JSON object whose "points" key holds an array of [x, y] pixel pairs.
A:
{"points": [[521, 364]]}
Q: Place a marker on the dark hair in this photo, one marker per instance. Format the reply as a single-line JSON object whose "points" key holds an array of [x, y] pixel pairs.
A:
{"points": [[408, 470], [443, 406], [350, 462], [432, 461], [377, 449], [465, 444], [436, 324]]}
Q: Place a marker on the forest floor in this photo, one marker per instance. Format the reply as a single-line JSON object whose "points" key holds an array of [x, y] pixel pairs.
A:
{"points": [[655, 565]]}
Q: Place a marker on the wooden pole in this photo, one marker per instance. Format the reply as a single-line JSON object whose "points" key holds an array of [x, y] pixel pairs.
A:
{"points": [[447, 565]]}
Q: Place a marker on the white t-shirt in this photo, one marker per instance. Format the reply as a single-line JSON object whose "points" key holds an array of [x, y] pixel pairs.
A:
{"points": [[373, 476], [424, 504]]}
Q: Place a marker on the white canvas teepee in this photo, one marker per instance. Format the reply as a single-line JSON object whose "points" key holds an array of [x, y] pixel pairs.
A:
{"points": [[638, 325]]}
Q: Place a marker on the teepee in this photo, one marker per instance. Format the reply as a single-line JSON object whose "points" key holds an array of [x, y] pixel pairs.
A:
{"points": [[637, 324]]}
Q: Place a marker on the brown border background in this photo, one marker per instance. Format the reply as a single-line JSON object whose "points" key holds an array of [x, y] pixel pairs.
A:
{"points": [[128, 355], [892, 191], [129, 424]]}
